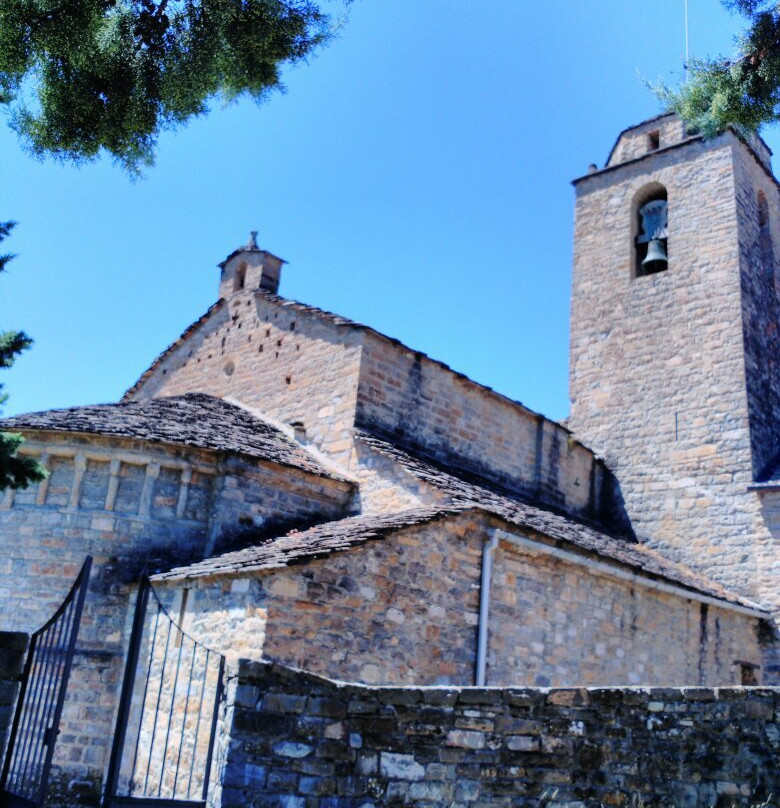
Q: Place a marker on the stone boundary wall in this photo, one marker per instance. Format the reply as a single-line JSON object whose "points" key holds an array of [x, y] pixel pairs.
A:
{"points": [[301, 741], [13, 648]]}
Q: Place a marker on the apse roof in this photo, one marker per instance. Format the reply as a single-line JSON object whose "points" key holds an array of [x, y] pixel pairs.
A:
{"points": [[194, 419]]}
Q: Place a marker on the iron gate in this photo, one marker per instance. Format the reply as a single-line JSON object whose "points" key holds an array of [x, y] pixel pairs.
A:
{"points": [[35, 727], [168, 714]]}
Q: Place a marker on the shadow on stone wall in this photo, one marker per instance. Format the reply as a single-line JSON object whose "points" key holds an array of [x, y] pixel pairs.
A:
{"points": [[300, 740]]}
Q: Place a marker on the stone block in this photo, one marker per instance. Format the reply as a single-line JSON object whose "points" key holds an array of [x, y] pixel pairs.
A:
{"points": [[292, 749], [400, 766]]}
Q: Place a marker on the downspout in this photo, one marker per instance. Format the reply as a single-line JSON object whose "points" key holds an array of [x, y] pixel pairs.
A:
{"points": [[488, 549]]}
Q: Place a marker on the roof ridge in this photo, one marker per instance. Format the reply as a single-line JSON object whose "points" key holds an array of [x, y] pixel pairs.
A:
{"points": [[343, 322]]}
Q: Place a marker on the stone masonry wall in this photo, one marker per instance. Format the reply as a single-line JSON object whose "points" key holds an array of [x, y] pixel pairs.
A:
{"points": [[402, 609], [268, 500], [635, 142], [553, 623], [760, 281], [134, 507], [760, 309], [13, 652], [770, 512], [282, 359], [417, 403], [298, 365], [405, 610], [300, 741], [657, 378], [385, 487]]}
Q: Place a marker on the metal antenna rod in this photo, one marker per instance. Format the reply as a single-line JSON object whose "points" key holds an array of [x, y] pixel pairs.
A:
{"points": [[687, 56]]}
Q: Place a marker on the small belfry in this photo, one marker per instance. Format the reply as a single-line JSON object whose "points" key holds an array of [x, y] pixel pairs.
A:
{"points": [[249, 267]]}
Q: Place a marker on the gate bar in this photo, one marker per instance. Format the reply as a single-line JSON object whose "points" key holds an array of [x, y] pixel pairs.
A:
{"points": [[74, 629], [18, 713], [50, 677], [127, 683], [214, 722]]}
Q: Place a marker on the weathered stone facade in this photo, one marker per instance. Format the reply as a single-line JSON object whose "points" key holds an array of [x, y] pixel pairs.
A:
{"points": [[674, 376], [303, 741], [309, 491], [406, 610], [134, 506], [304, 366]]}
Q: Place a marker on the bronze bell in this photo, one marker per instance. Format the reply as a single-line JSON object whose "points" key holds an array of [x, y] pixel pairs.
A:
{"points": [[655, 253]]}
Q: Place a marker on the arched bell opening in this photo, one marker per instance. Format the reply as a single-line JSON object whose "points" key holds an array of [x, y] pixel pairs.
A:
{"points": [[650, 231]]}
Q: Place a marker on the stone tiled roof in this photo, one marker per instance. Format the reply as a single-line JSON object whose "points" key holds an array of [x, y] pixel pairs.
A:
{"points": [[306, 545], [565, 532], [194, 419]]}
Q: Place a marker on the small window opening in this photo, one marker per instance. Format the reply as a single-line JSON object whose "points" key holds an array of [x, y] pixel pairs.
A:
{"points": [[651, 244], [748, 674], [240, 279], [299, 431], [653, 140]]}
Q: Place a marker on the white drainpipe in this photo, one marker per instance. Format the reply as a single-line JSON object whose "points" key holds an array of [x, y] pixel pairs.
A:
{"points": [[488, 549]]}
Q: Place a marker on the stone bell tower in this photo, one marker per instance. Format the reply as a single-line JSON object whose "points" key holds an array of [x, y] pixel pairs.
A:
{"points": [[675, 351]]}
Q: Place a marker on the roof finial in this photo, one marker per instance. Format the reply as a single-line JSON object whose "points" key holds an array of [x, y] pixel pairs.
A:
{"points": [[252, 243]]}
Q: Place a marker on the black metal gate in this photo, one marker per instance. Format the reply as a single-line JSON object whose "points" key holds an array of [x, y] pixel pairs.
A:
{"points": [[28, 758], [168, 714]]}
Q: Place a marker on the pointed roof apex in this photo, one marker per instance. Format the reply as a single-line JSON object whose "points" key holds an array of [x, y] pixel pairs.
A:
{"points": [[250, 246]]}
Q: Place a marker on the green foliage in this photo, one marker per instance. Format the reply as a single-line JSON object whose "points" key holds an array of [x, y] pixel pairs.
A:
{"points": [[744, 92], [85, 75], [15, 471]]}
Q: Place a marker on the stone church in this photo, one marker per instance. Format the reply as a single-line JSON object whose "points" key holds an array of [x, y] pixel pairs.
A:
{"points": [[304, 489]]}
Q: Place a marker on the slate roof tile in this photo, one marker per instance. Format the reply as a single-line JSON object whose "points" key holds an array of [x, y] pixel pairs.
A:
{"points": [[565, 529], [306, 545], [331, 537], [194, 419]]}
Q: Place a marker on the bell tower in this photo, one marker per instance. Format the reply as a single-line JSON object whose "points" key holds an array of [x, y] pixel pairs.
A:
{"points": [[675, 352]]}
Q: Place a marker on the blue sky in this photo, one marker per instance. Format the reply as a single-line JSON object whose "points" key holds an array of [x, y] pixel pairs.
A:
{"points": [[416, 176]]}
